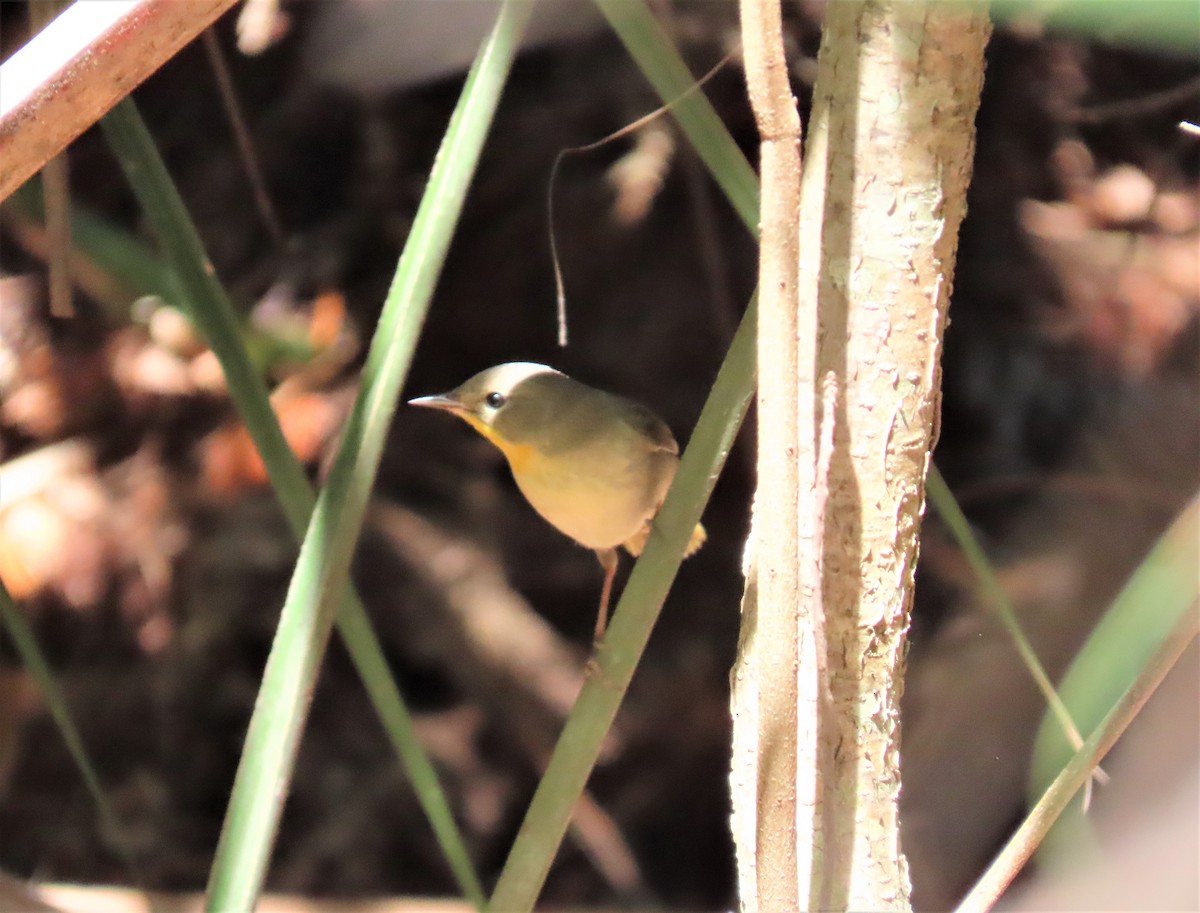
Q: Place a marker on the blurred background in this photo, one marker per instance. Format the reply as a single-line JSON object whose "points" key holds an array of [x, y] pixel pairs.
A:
{"points": [[136, 531]]}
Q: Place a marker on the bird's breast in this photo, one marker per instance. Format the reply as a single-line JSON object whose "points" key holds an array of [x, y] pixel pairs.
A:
{"points": [[598, 498]]}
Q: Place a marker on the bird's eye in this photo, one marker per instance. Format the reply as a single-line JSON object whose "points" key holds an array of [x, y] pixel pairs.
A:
{"points": [[495, 400]]}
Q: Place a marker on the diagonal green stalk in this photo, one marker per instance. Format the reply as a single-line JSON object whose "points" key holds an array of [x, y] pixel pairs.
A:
{"points": [[56, 701], [993, 591], [1158, 26], [1162, 590], [323, 566], [655, 54], [578, 747], [538, 839], [1076, 769], [139, 272], [210, 309], [118, 253], [613, 666], [205, 300]]}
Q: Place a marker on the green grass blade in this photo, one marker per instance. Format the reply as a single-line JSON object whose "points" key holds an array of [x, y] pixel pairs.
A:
{"points": [[993, 592], [1158, 25], [204, 299], [118, 253], [575, 754], [1163, 589], [546, 821], [323, 566], [209, 308], [612, 670], [661, 64], [139, 272], [648, 44], [1079, 767], [34, 660]]}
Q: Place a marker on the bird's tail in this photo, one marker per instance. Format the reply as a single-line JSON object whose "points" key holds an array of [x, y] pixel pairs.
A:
{"points": [[637, 541]]}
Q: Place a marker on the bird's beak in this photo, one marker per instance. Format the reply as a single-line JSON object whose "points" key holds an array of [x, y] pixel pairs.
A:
{"points": [[443, 401]]}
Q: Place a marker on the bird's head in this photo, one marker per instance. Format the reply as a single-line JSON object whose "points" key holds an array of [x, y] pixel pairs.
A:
{"points": [[515, 406]]}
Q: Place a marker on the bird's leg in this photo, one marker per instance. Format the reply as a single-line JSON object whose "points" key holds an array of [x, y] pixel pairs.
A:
{"points": [[608, 561]]}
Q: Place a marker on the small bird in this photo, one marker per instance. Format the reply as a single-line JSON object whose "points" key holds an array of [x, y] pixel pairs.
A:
{"points": [[595, 465]]}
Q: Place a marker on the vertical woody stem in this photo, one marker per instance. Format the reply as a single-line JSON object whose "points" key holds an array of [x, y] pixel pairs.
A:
{"points": [[854, 283], [775, 793]]}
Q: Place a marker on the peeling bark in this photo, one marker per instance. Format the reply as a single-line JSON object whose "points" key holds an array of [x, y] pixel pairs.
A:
{"points": [[888, 159]]}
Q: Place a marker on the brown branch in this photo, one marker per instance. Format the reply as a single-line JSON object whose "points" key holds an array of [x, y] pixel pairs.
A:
{"points": [[241, 133], [1151, 103], [56, 193], [65, 898], [85, 61]]}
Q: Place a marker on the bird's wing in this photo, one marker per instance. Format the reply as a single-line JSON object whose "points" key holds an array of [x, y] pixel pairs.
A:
{"points": [[654, 428]]}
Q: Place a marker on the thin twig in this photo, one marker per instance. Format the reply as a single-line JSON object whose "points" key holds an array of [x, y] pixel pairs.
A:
{"points": [[1136, 107], [785, 788], [56, 195], [560, 293], [245, 145]]}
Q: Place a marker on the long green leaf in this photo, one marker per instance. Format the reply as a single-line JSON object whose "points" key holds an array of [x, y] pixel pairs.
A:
{"points": [[579, 745], [140, 272], [212, 313], [538, 839], [323, 566], [1154, 24], [662, 66], [118, 253], [1079, 767], [1162, 590], [34, 660], [993, 591], [210, 310]]}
